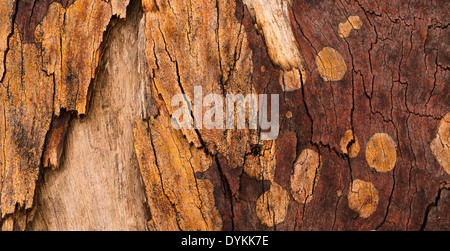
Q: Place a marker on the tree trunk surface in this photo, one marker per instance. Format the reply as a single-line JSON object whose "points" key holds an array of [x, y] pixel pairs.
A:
{"points": [[88, 143]]}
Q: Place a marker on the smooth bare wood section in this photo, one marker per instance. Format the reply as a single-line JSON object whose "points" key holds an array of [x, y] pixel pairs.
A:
{"points": [[87, 86]]}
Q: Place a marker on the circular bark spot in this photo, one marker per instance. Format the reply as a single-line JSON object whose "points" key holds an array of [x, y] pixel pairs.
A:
{"points": [[331, 64], [271, 207], [381, 153], [363, 198], [356, 22], [289, 115], [345, 29], [353, 22]]}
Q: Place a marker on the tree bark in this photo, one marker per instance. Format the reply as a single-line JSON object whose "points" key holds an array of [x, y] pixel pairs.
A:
{"points": [[87, 139]]}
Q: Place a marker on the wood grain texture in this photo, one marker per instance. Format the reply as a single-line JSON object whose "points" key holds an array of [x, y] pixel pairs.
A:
{"points": [[364, 106]]}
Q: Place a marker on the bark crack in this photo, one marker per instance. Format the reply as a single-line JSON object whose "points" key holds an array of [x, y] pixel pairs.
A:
{"points": [[174, 207], [199, 195], [4, 157], [227, 188], [429, 207], [13, 21]]}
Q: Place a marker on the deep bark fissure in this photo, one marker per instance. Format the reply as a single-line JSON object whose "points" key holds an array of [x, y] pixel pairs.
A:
{"points": [[428, 209]]}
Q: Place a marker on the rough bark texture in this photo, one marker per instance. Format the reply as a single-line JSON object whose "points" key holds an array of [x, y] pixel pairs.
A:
{"points": [[86, 135]]}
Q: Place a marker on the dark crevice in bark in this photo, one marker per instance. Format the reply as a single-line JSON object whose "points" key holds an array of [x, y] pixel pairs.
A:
{"points": [[174, 207], [429, 207], [221, 80], [352, 111], [54, 141], [389, 202], [227, 188], [13, 21]]}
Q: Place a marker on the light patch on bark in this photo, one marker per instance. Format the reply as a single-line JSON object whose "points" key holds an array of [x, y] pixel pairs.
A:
{"points": [[271, 207], [305, 176], [331, 64], [440, 146], [273, 19], [262, 166], [350, 144], [363, 198], [381, 153], [353, 22], [292, 80], [119, 7]]}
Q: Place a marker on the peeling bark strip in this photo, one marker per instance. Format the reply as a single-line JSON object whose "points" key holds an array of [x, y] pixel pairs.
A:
{"points": [[27, 111], [55, 141], [363, 144], [272, 17]]}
